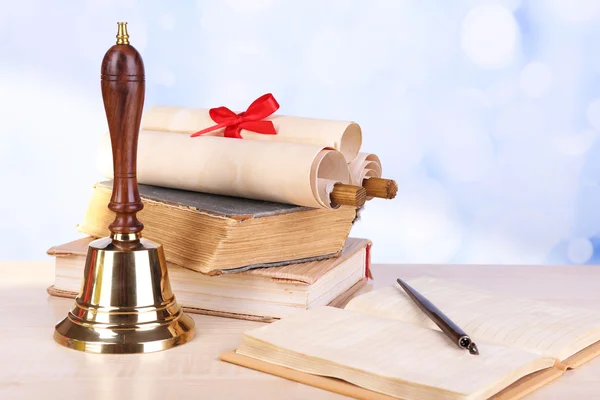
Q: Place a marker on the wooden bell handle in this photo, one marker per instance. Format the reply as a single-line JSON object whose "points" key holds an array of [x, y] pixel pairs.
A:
{"points": [[123, 87]]}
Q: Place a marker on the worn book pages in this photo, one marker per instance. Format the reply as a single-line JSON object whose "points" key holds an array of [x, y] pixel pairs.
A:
{"points": [[388, 356], [340, 301], [213, 239], [264, 293], [302, 174], [515, 391], [526, 324], [344, 136]]}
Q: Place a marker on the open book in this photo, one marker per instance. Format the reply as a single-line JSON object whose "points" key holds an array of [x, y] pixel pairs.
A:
{"points": [[384, 343]]}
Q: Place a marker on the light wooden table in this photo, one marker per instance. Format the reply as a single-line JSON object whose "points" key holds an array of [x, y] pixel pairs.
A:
{"points": [[34, 366]]}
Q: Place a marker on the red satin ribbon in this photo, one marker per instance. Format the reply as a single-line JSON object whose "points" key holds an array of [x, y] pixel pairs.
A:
{"points": [[251, 119]]}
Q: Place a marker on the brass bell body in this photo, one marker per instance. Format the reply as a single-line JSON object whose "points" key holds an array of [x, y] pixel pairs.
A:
{"points": [[125, 304]]}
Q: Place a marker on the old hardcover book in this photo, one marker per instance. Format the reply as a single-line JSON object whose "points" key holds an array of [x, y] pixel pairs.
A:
{"points": [[383, 346], [262, 294], [213, 234]]}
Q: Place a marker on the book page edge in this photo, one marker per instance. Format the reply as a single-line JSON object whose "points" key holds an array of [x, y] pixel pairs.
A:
{"points": [[582, 356], [530, 383], [516, 390], [329, 384], [342, 298]]}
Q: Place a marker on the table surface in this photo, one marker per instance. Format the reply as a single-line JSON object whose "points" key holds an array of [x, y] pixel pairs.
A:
{"points": [[34, 366]]}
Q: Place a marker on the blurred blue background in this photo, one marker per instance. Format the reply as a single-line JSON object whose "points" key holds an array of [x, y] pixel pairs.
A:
{"points": [[487, 113]]}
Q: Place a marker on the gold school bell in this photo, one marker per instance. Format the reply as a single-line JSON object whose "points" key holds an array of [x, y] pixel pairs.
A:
{"points": [[125, 304]]}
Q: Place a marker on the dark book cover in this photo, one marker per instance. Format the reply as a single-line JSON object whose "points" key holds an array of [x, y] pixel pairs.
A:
{"points": [[218, 205]]}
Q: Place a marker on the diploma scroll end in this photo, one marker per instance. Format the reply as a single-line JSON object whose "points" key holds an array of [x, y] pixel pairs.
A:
{"points": [[348, 195]]}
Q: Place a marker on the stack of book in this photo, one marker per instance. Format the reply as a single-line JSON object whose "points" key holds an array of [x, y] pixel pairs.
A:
{"points": [[249, 226], [231, 256]]}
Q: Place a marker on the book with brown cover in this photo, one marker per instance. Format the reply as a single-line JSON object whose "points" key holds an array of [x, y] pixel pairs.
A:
{"points": [[262, 294], [212, 234]]}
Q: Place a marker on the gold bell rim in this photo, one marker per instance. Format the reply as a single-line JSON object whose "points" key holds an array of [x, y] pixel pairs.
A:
{"points": [[114, 341]]}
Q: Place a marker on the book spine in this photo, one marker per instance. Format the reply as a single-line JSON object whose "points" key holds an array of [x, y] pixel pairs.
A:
{"points": [[368, 262]]}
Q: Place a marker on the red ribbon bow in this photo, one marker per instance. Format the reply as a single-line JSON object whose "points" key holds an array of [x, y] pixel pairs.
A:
{"points": [[251, 119]]}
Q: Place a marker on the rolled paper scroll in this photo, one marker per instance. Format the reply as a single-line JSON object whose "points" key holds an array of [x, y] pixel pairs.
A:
{"points": [[281, 172], [364, 166], [344, 136]]}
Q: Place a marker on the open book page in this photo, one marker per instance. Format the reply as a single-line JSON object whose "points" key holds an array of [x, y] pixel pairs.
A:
{"points": [[515, 322], [387, 356]]}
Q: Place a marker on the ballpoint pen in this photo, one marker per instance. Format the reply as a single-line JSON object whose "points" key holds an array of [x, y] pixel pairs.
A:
{"points": [[453, 331]]}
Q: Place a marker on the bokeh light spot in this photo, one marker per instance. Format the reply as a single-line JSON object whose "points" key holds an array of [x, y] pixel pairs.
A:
{"points": [[489, 35], [536, 79], [579, 250], [575, 10]]}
